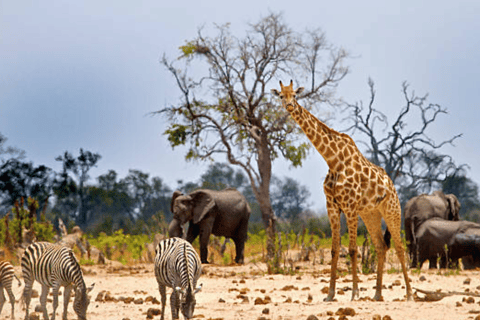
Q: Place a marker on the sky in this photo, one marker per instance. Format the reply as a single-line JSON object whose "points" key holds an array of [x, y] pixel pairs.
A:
{"points": [[86, 74]]}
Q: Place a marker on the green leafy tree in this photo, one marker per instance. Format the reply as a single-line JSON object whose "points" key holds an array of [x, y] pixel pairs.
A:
{"points": [[227, 110], [289, 198], [78, 166], [220, 176], [19, 179], [467, 193]]}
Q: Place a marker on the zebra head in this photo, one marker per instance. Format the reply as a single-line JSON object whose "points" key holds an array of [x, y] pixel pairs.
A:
{"points": [[187, 300], [82, 300]]}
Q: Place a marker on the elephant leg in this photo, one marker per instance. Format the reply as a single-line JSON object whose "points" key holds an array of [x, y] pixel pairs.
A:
{"points": [[204, 239], [239, 249], [193, 232]]}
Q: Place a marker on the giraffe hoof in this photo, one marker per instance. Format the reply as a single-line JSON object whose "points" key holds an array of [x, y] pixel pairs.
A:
{"points": [[378, 298]]}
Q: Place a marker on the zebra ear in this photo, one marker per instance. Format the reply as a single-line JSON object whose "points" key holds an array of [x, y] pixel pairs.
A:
{"points": [[198, 288], [178, 289]]}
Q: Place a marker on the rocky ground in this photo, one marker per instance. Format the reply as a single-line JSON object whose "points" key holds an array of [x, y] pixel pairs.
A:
{"points": [[247, 292]]}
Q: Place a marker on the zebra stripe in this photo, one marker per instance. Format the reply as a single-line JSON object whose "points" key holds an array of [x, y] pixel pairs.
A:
{"points": [[178, 266], [54, 266], [6, 278]]}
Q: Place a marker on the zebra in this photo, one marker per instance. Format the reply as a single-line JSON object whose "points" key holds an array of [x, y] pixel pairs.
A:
{"points": [[54, 266], [6, 278], [178, 266]]}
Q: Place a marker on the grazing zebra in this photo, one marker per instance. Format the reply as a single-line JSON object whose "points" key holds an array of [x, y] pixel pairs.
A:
{"points": [[178, 266], [6, 278], [54, 266]]}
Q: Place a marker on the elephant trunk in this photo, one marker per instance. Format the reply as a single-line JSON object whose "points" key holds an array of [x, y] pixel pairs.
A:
{"points": [[175, 228]]}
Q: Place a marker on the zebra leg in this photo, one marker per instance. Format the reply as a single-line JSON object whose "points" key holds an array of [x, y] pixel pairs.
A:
{"points": [[43, 302], [2, 298], [27, 294], [12, 301], [66, 300], [175, 304], [56, 288], [163, 294]]}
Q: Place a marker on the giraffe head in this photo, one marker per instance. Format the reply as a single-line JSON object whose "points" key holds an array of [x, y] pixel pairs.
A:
{"points": [[288, 95]]}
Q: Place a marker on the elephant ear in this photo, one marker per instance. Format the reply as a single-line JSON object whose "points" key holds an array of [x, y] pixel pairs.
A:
{"points": [[203, 202], [454, 206], [174, 196]]}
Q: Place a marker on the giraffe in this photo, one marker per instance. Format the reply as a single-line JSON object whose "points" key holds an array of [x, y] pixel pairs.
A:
{"points": [[354, 186]]}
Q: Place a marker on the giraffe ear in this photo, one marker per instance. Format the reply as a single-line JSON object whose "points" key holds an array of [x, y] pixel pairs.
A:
{"points": [[299, 90], [275, 92]]}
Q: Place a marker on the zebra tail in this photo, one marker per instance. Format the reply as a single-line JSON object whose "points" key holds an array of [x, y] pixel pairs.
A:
{"points": [[19, 283], [189, 288]]}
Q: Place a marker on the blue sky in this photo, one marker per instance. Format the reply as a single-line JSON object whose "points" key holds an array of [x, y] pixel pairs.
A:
{"points": [[86, 74]]}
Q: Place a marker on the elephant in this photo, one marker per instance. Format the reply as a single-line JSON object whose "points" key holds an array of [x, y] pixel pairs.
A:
{"points": [[221, 213], [436, 234], [423, 207]]}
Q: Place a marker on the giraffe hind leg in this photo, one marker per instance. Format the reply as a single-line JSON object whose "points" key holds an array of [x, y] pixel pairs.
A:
{"points": [[352, 222], [335, 225], [400, 251], [373, 222]]}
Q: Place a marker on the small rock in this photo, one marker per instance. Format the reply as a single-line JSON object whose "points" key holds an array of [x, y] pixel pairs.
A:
{"points": [[153, 312], [221, 300], [386, 317], [345, 312], [266, 311], [377, 317], [128, 300], [100, 296], [312, 317], [468, 300], [422, 278], [458, 304], [34, 316], [138, 301], [467, 281]]}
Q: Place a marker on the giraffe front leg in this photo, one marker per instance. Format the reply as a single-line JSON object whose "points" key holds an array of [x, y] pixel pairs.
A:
{"points": [[352, 222], [334, 218]]}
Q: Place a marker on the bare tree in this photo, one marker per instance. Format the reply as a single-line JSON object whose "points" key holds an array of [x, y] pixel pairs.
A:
{"points": [[227, 110], [409, 156]]}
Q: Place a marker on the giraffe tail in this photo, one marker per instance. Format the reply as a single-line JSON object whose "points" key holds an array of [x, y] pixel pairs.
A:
{"points": [[387, 237]]}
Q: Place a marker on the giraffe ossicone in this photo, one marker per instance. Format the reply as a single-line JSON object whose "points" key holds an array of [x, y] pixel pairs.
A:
{"points": [[354, 186]]}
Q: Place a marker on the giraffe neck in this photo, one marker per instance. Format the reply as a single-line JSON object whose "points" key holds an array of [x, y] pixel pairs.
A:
{"points": [[328, 142]]}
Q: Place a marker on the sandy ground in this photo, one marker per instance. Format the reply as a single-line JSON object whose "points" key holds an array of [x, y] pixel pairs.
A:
{"points": [[247, 292]]}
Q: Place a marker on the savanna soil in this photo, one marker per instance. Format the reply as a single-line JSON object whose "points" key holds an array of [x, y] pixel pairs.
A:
{"points": [[248, 292]]}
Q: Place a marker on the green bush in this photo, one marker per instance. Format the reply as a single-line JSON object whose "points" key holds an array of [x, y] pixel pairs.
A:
{"points": [[119, 246]]}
